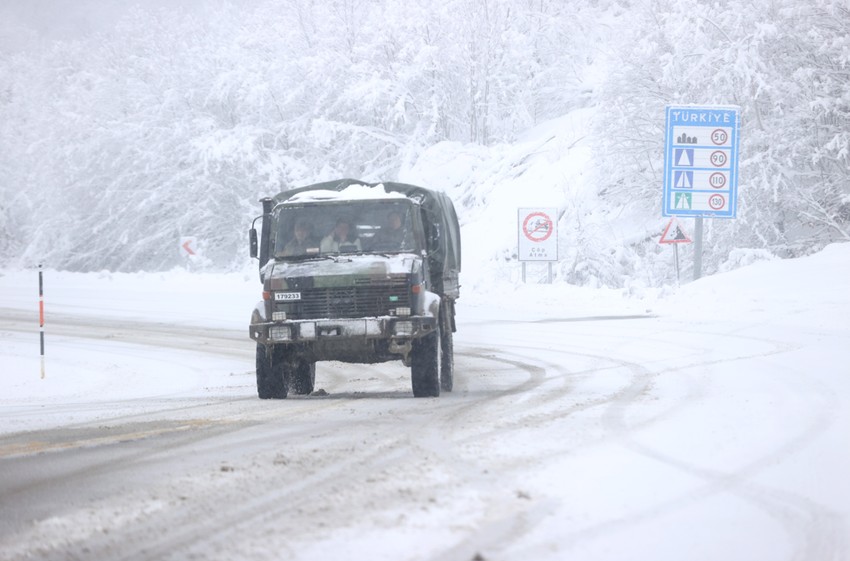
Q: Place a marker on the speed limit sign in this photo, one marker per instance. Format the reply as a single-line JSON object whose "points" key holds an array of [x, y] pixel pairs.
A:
{"points": [[719, 136], [701, 161], [717, 202]]}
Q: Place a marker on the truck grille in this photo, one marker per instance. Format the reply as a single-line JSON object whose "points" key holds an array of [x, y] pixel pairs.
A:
{"points": [[366, 298]]}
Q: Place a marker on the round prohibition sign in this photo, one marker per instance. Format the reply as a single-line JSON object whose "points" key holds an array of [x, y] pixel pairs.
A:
{"points": [[717, 202], [719, 136], [537, 227], [718, 158], [717, 180]]}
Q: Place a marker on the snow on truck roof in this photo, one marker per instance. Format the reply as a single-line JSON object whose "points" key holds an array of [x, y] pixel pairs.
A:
{"points": [[346, 189], [353, 192]]}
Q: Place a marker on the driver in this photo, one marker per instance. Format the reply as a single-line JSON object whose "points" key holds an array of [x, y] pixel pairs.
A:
{"points": [[391, 236]]}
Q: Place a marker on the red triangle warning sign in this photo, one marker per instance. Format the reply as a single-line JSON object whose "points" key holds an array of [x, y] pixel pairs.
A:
{"points": [[674, 233]]}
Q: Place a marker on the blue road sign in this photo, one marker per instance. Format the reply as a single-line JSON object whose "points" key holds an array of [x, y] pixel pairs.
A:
{"points": [[701, 161]]}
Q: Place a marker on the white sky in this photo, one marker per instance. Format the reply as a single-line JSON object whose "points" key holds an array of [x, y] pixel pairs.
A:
{"points": [[70, 19]]}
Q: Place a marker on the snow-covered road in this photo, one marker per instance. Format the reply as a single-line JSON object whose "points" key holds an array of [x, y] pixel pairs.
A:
{"points": [[570, 435]]}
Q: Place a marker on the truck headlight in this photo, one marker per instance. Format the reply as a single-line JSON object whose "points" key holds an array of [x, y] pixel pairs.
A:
{"points": [[278, 316], [280, 333], [402, 311], [403, 328]]}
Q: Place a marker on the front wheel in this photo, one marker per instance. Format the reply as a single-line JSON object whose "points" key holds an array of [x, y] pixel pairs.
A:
{"points": [[425, 365], [272, 382]]}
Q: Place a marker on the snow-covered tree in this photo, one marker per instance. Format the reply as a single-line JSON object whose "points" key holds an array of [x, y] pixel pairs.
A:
{"points": [[785, 63], [173, 123]]}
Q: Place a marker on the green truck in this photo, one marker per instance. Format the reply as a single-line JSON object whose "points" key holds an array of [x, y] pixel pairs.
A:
{"points": [[355, 272]]}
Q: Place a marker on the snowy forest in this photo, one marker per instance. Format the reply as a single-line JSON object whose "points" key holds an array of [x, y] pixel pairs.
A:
{"points": [[174, 122]]}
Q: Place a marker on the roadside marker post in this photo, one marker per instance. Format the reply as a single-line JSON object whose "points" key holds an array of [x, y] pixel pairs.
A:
{"points": [[41, 315]]}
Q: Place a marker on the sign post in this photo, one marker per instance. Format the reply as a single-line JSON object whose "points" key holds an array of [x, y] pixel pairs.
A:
{"points": [[701, 166], [698, 248], [538, 236]]}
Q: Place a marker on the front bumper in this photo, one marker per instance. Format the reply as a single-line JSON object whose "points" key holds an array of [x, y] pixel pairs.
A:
{"points": [[326, 330]]}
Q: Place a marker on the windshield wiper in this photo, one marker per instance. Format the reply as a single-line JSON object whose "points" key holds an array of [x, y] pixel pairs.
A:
{"points": [[335, 257], [303, 257]]}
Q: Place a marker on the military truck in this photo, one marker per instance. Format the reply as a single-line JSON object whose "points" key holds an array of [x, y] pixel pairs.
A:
{"points": [[355, 272]]}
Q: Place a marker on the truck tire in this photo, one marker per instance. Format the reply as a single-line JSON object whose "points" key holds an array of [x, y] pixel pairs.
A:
{"points": [[272, 382], [447, 360], [303, 377], [425, 365]]}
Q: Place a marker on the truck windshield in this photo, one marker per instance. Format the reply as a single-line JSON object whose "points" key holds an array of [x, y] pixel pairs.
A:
{"points": [[355, 226]]}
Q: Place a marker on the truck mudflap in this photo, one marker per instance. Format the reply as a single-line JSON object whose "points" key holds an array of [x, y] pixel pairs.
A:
{"points": [[305, 331]]}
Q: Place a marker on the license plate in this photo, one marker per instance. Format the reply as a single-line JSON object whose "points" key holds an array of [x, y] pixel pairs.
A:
{"points": [[287, 296]]}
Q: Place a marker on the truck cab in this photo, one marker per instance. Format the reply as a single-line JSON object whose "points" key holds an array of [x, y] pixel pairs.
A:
{"points": [[356, 272]]}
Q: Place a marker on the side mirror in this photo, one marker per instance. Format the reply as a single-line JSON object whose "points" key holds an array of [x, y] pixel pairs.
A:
{"points": [[252, 237]]}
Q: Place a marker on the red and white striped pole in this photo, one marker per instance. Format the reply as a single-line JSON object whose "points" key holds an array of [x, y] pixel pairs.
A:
{"points": [[41, 315]]}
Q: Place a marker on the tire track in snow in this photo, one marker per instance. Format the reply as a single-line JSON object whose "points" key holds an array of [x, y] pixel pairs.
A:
{"points": [[819, 532], [510, 513], [142, 520]]}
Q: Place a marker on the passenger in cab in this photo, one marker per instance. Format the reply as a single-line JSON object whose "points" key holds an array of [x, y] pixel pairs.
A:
{"points": [[343, 238], [302, 241]]}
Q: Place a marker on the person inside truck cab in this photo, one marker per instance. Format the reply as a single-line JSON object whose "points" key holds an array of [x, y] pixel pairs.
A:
{"points": [[342, 238], [302, 241], [391, 235]]}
